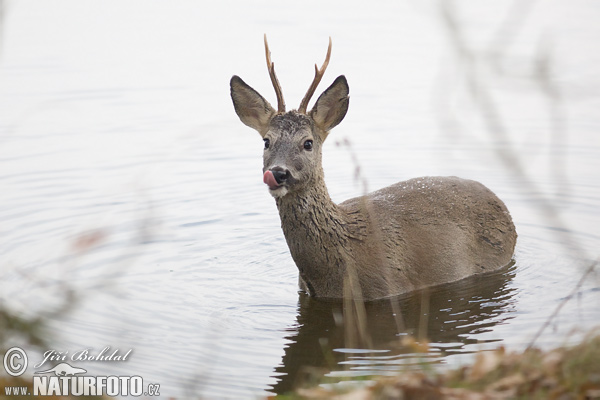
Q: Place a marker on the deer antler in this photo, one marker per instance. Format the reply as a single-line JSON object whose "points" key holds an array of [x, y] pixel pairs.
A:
{"points": [[313, 86], [274, 81]]}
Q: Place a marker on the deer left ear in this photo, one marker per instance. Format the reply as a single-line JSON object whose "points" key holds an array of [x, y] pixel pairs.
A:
{"points": [[331, 107], [250, 106]]}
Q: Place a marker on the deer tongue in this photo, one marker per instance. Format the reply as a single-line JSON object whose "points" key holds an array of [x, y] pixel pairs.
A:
{"points": [[269, 179]]}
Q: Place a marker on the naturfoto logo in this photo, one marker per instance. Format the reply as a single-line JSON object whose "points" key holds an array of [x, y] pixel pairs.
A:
{"points": [[64, 379], [64, 369]]}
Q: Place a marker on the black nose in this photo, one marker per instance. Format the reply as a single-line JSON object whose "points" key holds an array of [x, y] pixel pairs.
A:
{"points": [[281, 175]]}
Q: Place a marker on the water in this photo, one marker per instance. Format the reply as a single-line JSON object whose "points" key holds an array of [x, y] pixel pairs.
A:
{"points": [[127, 179]]}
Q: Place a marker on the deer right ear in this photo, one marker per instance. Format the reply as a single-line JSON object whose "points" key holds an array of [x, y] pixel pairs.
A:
{"points": [[331, 107], [250, 106]]}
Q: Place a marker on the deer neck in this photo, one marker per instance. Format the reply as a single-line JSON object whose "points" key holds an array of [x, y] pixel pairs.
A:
{"points": [[311, 211], [317, 233]]}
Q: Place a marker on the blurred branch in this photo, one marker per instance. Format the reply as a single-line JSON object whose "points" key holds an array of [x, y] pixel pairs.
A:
{"points": [[61, 294], [493, 58], [556, 311], [509, 30], [494, 123]]}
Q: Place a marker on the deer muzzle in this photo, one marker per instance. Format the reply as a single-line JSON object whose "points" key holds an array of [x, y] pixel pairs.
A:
{"points": [[277, 178]]}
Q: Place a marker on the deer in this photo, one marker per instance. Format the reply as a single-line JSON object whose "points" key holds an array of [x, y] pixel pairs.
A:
{"points": [[414, 234]]}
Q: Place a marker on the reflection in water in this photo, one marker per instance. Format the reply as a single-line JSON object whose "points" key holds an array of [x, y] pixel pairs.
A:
{"points": [[328, 336]]}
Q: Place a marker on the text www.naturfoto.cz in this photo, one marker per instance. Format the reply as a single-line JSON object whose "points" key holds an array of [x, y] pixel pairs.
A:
{"points": [[85, 386]]}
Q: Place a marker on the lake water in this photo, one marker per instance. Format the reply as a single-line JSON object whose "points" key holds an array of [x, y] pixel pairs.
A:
{"points": [[131, 191]]}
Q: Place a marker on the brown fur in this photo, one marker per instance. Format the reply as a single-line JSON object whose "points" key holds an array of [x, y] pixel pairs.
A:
{"points": [[416, 233], [413, 234]]}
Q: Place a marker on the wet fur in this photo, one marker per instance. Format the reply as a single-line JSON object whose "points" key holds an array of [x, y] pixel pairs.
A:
{"points": [[413, 234], [417, 233]]}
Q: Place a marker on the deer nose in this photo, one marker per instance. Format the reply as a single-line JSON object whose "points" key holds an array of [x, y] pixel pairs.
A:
{"points": [[281, 174]]}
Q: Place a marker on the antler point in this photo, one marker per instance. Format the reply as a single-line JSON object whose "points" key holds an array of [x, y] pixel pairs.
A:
{"points": [[319, 72], [274, 80]]}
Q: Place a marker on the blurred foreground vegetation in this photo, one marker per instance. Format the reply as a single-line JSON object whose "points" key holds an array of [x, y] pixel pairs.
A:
{"points": [[563, 373]]}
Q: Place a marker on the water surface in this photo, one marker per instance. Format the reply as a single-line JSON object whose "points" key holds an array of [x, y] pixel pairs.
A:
{"points": [[127, 179]]}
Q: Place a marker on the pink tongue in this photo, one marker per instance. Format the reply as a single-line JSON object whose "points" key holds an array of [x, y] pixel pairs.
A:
{"points": [[269, 179]]}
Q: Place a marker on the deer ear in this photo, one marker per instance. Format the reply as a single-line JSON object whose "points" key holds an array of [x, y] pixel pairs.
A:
{"points": [[331, 107], [250, 106]]}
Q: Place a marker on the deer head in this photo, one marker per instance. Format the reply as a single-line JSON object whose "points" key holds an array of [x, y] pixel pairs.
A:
{"points": [[293, 140]]}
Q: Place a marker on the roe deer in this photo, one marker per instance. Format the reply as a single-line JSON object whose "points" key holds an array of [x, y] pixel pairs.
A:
{"points": [[421, 232]]}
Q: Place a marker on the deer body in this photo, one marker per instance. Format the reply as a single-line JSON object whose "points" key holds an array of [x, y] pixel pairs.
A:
{"points": [[413, 234]]}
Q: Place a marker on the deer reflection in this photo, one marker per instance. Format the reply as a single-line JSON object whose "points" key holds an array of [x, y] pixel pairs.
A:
{"points": [[329, 334]]}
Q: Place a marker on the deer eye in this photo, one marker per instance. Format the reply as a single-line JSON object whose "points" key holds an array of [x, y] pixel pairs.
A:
{"points": [[267, 143], [308, 145]]}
